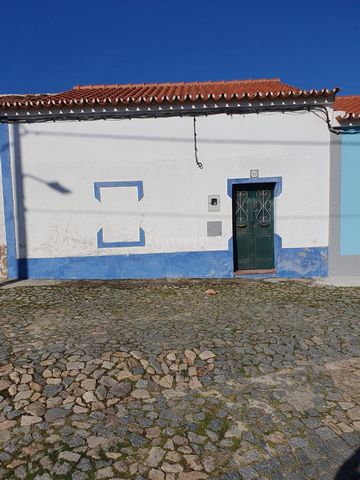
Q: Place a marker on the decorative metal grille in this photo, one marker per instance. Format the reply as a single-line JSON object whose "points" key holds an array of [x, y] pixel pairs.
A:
{"points": [[241, 209], [263, 207]]}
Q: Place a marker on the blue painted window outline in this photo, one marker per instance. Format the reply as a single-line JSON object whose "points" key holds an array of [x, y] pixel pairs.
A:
{"points": [[100, 234]]}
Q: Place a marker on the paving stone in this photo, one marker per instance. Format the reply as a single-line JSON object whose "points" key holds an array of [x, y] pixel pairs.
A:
{"points": [[166, 381], [85, 465], [121, 389], [140, 393], [4, 385], [171, 468], [248, 473], [156, 474], [192, 476], [61, 469], [51, 390], [137, 440], [106, 472], [7, 424], [89, 397], [206, 355], [70, 456], [75, 366], [156, 454], [44, 476], [76, 475], [35, 408], [298, 442], [88, 384], [27, 420], [230, 476], [55, 414]]}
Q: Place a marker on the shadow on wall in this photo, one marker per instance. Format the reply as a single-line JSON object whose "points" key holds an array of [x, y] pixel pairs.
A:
{"points": [[350, 470], [153, 138], [20, 207]]}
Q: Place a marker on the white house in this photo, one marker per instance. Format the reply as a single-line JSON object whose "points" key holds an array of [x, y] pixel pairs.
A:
{"points": [[103, 181]]}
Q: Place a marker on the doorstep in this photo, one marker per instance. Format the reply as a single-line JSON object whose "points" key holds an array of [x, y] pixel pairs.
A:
{"points": [[255, 272]]}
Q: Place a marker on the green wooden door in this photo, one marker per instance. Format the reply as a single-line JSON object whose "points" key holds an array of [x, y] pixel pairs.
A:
{"points": [[253, 212]]}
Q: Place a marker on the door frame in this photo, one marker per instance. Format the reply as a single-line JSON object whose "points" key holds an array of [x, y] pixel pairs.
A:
{"points": [[237, 182]]}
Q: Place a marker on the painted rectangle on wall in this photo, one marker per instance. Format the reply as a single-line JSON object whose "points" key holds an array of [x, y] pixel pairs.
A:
{"points": [[350, 205]]}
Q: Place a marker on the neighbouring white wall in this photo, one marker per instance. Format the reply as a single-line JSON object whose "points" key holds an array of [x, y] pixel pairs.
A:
{"points": [[160, 152]]}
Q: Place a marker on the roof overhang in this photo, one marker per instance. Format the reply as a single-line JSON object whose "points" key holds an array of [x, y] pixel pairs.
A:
{"points": [[175, 109], [348, 119]]}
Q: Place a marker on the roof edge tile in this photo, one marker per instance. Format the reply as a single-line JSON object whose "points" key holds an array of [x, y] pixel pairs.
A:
{"points": [[167, 92]]}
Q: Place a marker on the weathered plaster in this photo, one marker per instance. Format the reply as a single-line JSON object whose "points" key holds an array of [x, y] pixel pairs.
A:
{"points": [[289, 262], [3, 262]]}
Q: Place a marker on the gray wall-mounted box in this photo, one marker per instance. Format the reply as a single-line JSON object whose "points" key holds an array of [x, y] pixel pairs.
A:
{"points": [[214, 229], [214, 203]]}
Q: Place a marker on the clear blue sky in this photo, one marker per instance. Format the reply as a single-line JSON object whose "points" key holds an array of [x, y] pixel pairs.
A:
{"points": [[52, 45]]}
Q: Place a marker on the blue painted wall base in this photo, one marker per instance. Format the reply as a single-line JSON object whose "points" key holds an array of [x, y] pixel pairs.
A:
{"points": [[290, 262]]}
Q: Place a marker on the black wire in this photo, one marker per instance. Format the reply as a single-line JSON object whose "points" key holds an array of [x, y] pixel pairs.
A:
{"points": [[147, 114], [335, 130], [199, 164], [208, 111]]}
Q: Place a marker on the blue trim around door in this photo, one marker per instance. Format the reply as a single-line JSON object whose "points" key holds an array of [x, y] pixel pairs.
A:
{"points": [[239, 181], [12, 265], [277, 191]]}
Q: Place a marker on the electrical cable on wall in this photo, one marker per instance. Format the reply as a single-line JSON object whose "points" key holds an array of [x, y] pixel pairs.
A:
{"points": [[326, 119], [76, 116], [199, 164]]}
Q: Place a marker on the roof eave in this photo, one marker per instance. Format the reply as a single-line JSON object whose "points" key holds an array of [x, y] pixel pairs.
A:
{"points": [[348, 119], [131, 110]]}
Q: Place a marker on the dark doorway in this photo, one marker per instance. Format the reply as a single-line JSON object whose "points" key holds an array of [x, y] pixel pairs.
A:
{"points": [[253, 228]]}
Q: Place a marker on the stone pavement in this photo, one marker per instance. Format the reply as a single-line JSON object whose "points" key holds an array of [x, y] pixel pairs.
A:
{"points": [[187, 380], [340, 281]]}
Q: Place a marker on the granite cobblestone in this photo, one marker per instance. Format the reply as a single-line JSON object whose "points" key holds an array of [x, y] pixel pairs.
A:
{"points": [[183, 380]]}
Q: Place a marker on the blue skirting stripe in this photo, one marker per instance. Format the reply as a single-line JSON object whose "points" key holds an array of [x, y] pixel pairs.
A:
{"points": [[290, 262], [300, 262], [12, 265], [216, 264]]}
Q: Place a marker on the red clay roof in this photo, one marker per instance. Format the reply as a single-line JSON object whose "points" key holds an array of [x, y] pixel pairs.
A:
{"points": [[100, 95], [350, 105]]}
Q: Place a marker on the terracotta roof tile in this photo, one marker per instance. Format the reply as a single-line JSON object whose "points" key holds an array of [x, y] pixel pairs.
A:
{"points": [[350, 105], [83, 95]]}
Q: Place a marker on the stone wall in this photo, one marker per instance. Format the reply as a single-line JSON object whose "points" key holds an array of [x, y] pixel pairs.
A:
{"points": [[3, 263]]}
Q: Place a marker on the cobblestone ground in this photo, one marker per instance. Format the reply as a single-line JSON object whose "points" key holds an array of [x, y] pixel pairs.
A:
{"points": [[187, 380]]}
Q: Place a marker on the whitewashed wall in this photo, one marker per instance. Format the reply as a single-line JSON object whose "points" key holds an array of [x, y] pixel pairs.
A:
{"points": [[160, 152]]}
